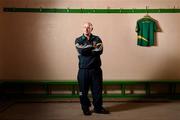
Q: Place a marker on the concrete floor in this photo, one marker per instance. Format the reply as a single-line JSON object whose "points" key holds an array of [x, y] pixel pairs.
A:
{"points": [[169, 110]]}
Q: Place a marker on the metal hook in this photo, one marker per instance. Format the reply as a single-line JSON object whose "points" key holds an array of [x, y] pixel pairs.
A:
{"points": [[81, 10], [174, 8], [133, 10], [146, 10], [159, 10], [108, 9], [94, 10], [67, 9], [120, 10], [40, 9]]}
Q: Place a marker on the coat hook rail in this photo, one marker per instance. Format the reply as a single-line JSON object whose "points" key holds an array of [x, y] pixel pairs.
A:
{"points": [[83, 10]]}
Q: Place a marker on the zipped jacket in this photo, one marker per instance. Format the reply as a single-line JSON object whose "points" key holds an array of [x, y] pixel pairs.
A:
{"points": [[89, 51]]}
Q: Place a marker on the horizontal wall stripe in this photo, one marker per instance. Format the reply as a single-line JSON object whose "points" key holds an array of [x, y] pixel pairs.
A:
{"points": [[61, 10]]}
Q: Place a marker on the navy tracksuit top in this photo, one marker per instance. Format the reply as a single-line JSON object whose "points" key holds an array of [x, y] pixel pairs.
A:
{"points": [[89, 55]]}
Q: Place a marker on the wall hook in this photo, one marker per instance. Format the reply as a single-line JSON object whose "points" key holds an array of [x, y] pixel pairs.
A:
{"points": [[94, 10], [133, 10], [159, 10], [67, 9], [147, 10], [81, 10], [120, 10], [40, 9]]}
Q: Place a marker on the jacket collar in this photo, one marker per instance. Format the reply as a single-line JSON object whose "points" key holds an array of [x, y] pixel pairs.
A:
{"points": [[83, 37]]}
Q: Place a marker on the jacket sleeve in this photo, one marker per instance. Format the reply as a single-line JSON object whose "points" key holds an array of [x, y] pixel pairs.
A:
{"points": [[98, 50], [83, 49]]}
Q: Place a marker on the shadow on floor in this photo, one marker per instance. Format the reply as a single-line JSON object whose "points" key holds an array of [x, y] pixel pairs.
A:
{"points": [[134, 105]]}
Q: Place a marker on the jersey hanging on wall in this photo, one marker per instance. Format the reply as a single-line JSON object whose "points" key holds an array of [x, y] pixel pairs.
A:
{"points": [[145, 29]]}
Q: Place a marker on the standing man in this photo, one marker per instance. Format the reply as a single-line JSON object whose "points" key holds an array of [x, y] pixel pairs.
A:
{"points": [[90, 48]]}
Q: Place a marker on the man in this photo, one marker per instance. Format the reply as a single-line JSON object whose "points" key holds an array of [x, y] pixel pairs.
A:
{"points": [[90, 48]]}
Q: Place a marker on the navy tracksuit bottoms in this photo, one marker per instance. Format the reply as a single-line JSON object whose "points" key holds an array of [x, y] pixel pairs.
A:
{"points": [[90, 78]]}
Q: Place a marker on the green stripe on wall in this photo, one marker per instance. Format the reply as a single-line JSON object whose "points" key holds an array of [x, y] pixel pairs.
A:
{"points": [[62, 10]]}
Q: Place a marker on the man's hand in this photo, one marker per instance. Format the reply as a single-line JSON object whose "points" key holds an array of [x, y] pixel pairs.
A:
{"points": [[94, 44]]}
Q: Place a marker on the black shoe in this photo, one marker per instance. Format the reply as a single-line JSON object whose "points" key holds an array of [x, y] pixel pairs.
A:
{"points": [[87, 112], [101, 111]]}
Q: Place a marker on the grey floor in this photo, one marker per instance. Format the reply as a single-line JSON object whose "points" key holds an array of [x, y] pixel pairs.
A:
{"points": [[120, 110]]}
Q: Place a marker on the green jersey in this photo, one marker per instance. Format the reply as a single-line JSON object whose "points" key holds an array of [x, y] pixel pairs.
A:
{"points": [[145, 29]]}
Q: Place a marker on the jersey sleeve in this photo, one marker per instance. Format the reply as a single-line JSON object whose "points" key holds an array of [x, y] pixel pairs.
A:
{"points": [[137, 27], [155, 27]]}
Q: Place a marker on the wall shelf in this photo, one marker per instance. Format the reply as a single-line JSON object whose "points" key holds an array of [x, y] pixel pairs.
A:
{"points": [[82, 10]]}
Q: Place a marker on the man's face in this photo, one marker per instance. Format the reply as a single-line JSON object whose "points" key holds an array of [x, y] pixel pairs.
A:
{"points": [[87, 28]]}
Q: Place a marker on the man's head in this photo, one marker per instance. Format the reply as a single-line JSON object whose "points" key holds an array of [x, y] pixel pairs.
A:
{"points": [[87, 28]]}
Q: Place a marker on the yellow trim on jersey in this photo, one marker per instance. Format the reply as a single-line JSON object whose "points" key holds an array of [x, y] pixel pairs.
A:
{"points": [[140, 37]]}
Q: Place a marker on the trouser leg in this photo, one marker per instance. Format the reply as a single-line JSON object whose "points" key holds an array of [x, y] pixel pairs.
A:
{"points": [[83, 81], [96, 88]]}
